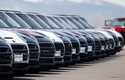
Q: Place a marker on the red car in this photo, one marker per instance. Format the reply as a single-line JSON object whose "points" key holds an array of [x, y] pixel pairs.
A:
{"points": [[118, 24]]}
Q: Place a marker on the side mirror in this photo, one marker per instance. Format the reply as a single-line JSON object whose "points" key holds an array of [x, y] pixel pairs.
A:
{"points": [[108, 23]]}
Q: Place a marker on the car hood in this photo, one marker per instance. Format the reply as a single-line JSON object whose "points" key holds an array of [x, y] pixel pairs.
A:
{"points": [[11, 37]]}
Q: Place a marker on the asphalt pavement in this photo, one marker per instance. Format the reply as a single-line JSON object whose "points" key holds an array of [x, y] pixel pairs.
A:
{"points": [[109, 68]]}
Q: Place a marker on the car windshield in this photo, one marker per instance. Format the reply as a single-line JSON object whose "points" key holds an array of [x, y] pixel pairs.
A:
{"points": [[61, 25], [45, 20], [18, 20], [39, 21], [29, 20], [88, 26], [8, 20], [3, 24], [61, 22], [55, 24], [71, 23], [67, 24], [76, 24], [77, 19]]}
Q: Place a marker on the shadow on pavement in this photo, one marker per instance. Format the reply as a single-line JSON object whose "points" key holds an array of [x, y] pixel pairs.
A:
{"points": [[102, 60], [61, 70]]}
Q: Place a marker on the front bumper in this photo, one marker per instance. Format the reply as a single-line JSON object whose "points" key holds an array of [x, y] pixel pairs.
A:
{"points": [[67, 59], [50, 61], [5, 69], [75, 57], [34, 64], [20, 68]]}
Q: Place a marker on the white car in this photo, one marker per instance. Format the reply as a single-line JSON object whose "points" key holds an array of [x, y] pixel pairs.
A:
{"points": [[20, 50]]}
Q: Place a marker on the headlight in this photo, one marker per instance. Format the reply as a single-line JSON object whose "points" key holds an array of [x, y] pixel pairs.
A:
{"points": [[89, 48], [73, 51], [58, 53], [18, 57], [82, 49]]}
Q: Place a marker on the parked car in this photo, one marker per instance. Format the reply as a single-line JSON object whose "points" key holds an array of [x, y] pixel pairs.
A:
{"points": [[89, 50], [20, 51], [34, 49], [117, 24], [67, 45], [119, 40], [6, 58], [110, 42], [21, 19], [47, 49], [68, 49], [75, 46], [91, 44]]}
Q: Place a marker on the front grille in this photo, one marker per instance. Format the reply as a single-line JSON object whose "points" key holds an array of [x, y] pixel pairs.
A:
{"points": [[76, 46], [49, 60], [83, 40], [60, 47], [97, 46], [34, 51], [91, 44], [68, 48], [102, 42], [107, 44], [5, 54], [46, 51], [46, 47], [111, 42], [83, 44], [20, 49]]}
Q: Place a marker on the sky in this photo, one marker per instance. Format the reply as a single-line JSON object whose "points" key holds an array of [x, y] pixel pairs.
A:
{"points": [[95, 11]]}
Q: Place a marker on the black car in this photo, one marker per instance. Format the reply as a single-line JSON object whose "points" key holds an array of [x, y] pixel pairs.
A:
{"points": [[119, 40], [6, 58], [75, 46], [83, 45], [24, 21], [98, 44], [91, 44], [34, 49], [68, 48]]}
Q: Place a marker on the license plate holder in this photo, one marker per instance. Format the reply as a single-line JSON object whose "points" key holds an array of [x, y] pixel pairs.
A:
{"points": [[18, 57]]}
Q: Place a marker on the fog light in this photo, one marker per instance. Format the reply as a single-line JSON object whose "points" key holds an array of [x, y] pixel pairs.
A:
{"points": [[73, 51], [18, 57], [82, 50], [89, 48], [58, 53]]}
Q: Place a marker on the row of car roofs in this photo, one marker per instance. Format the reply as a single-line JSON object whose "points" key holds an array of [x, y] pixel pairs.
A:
{"points": [[32, 40], [36, 20]]}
